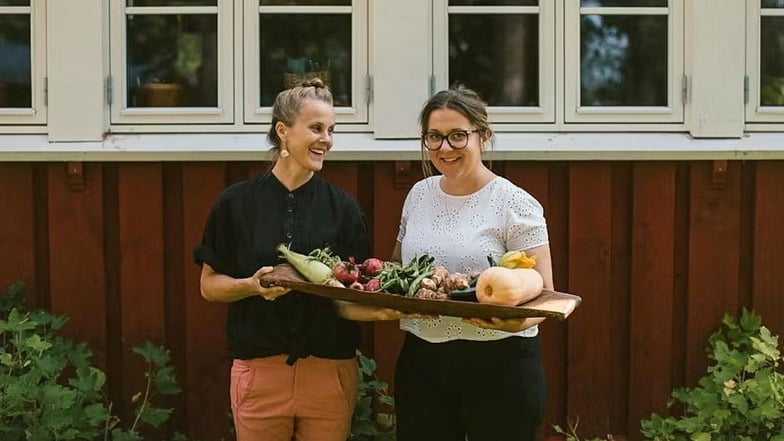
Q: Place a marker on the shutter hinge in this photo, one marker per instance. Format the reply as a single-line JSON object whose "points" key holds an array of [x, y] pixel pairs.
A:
{"points": [[685, 89], [746, 89], [109, 90], [368, 88], [46, 91], [432, 85]]}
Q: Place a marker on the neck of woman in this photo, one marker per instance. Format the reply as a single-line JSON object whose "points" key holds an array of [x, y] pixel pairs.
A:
{"points": [[291, 176], [465, 185]]}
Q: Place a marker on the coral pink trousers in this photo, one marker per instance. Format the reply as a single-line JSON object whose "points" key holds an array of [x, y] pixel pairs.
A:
{"points": [[313, 400]]}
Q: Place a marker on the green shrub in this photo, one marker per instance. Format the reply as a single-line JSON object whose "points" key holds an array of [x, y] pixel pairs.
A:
{"points": [[369, 422], [49, 389], [742, 396]]}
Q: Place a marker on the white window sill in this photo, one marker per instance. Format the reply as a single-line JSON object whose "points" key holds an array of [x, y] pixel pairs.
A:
{"points": [[363, 147]]}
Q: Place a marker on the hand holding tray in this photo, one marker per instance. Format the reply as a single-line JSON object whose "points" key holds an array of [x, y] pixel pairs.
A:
{"points": [[549, 304]]}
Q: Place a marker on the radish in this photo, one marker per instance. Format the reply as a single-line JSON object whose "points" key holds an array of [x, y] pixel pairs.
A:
{"points": [[372, 266], [346, 272], [313, 270], [373, 284]]}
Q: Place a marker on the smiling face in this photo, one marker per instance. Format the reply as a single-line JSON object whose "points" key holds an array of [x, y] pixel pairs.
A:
{"points": [[309, 137], [459, 165]]}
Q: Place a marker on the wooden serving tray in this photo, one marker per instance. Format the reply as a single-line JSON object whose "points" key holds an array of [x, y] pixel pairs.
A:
{"points": [[549, 304]]}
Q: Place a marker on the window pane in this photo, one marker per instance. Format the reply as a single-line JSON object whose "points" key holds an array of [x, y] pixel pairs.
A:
{"points": [[15, 78], [172, 61], [496, 55], [772, 61], [773, 3], [494, 2], [623, 3], [306, 2], [172, 2], [296, 46], [623, 60], [14, 2]]}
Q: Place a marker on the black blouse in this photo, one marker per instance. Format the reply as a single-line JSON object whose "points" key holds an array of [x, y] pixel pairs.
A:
{"points": [[247, 222]]}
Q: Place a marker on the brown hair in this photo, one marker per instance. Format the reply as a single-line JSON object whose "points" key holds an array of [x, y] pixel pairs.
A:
{"points": [[288, 104], [460, 99]]}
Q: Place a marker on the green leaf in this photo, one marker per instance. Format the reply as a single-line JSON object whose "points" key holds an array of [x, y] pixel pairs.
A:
{"points": [[152, 353], [122, 435], [37, 344], [96, 413], [154, 416], [13, 297], [165, 382]]}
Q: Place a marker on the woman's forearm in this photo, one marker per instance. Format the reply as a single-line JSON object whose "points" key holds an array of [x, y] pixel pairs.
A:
{"points": [[365, 313], [217, 287]]}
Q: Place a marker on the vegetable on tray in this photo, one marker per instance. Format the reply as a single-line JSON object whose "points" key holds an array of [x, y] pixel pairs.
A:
{"points": [[510, 281]]}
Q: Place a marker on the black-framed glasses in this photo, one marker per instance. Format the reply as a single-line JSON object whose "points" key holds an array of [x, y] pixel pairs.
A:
{"points": [[457, 139]]}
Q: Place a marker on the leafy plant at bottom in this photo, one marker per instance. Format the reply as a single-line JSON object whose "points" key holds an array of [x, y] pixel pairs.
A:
{"points": [[369, 422], [50, 391], [742, 396], [571, 433]]}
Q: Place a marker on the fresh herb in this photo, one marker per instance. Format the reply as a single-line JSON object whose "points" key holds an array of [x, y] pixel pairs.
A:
{"points": [[398, 279]]}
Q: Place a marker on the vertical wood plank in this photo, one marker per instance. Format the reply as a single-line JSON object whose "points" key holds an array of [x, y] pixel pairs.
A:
{"points": [[652, 291], [141, 277], [619, 292], [174, 285], [343, 174], [76, 238], [768, 278], [713, 259], [17, 240], [590, 273], [535, 179], [206, 355]]}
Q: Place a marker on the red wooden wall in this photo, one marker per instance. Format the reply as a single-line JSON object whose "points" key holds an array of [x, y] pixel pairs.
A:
{"points": [[658, 251]]}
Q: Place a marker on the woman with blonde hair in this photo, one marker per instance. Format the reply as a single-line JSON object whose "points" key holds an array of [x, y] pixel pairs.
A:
{"points": [[294, 374]]}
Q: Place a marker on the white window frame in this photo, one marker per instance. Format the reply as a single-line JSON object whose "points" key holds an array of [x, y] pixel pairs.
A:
{"points": [[545, 112], [672, 113], [35, 115], [360, 79], [755, 112], [222, 114]]}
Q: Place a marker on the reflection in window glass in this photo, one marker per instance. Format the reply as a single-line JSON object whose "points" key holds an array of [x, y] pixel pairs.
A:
{"points": [[497, 56], [493, 2], [623, 3], [294, 47], [773, 3], [172, 61], [623, 60], [172, 2], [14, 2], [772, 61], [15, 75], [306, 2]]}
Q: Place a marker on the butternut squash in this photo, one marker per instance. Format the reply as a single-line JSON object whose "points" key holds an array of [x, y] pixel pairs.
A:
{"points": [[508, 287]]}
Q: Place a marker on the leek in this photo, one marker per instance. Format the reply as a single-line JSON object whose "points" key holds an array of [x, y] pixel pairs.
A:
{"points": [[310, 267]]}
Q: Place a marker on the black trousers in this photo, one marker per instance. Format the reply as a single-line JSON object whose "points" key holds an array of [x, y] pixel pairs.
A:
{"points": [[485, 391]]}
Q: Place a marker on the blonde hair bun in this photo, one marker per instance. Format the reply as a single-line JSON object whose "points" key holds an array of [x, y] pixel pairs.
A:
{"points": [[313, 82]]}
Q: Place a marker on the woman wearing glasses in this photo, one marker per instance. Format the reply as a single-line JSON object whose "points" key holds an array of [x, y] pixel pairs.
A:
{"points": [[474, 378]]}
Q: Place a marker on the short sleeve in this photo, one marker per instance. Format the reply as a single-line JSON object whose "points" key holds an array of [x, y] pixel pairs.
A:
{"points": [[526, 225], [216, 242], [401, 233]]}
